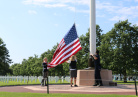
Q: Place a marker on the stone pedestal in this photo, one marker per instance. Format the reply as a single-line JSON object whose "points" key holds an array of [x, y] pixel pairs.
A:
{"points": [[86, 77]]}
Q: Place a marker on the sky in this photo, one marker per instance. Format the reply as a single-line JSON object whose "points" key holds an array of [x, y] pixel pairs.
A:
{"points": [[31, 27]]}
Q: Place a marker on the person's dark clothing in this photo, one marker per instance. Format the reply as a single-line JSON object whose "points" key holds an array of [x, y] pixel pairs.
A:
{"points": [[97, 62], [73, 68], [98, 77], [45, 74], [44, 67], [73, 73], [73, 65], [97, 71]]}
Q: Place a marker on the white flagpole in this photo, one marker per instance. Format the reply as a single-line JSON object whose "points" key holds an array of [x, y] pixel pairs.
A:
{"points": [[92, 27]]}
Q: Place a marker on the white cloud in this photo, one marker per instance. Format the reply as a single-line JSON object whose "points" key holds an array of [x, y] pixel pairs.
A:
{"points": [[72, 8], [136, 0], [128, 0], [69, 4], [117, 10], [106, 6], [27, 2], [58, 3], [32, 12], [38, 2], [126, 13], [117, 18], [133, 10], [83, 2], [83, 11], [54, 5], [76, 10]]}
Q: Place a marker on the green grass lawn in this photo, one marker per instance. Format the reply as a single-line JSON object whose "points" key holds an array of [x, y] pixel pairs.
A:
{"points": [[53, 82], [11, 94], [128, 82], [29, 83]]}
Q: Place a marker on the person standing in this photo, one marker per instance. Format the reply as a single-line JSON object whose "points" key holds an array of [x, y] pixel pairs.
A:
{"points": [[44, 72], [73, 69], [98, 81]]}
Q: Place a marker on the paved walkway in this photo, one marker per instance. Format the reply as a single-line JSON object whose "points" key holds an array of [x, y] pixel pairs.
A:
{"points": [[120, 89]]}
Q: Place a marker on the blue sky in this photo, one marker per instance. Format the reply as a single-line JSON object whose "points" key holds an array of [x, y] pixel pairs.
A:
{"points": [[31, 27]]}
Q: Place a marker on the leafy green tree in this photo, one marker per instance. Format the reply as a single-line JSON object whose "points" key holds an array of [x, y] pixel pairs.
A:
{"points": [[4, 59], [16, 69], [37, 66], [119, 48], [24, 69]]}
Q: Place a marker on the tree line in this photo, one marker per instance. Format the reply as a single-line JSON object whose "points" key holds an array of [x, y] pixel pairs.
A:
{"points": [[118, 52]]}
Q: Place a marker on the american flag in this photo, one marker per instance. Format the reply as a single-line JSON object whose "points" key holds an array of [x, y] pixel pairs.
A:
{"points": [[68, 46]]}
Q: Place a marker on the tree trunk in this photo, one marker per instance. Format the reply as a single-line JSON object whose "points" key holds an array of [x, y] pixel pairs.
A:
{"points": [[125, 77], [120, 77]]}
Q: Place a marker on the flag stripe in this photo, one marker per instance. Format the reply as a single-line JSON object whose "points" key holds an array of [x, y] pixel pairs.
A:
{"points": [[64, 50], [61, 44], [69, 54], [60, 50]]}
